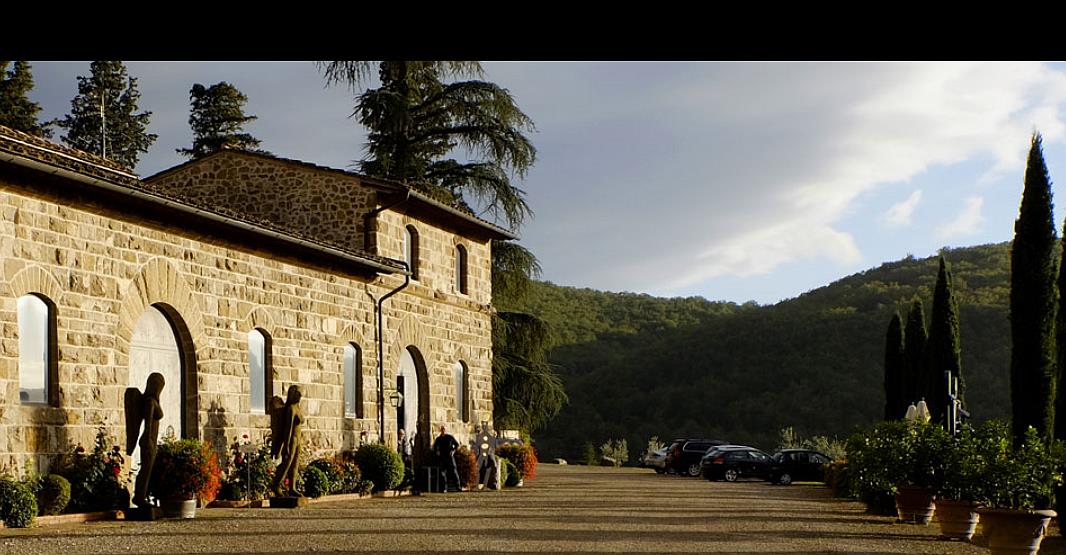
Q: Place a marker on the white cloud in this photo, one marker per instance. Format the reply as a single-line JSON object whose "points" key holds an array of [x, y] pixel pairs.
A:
{"points": [[967, 222], [900, 213], [656, 173], [738, 169]]}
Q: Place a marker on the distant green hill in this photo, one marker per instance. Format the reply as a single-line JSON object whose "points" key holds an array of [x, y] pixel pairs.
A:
{"points": [[637, 366]]}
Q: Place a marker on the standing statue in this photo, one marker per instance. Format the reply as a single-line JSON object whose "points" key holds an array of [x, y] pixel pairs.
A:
{"points": [[144, 407], [285, 421]]}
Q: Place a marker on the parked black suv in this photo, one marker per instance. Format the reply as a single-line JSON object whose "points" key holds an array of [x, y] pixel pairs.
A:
{"points": [[798, 465], [732, 462], [685, 454]]}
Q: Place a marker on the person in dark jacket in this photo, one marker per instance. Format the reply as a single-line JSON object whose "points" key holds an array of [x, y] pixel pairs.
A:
{"points": [[444, 447]]}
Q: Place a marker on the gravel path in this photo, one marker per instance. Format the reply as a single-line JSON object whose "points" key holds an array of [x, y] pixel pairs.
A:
{"points": [[569, 509]]}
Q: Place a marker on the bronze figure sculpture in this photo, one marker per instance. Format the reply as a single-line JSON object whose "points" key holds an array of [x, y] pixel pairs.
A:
{"points": [[144, 408], [285, 421]]}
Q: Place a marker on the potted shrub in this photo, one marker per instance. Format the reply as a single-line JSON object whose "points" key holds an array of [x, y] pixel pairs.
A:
{"points": [[923, 449], [876, 459], [185, 471], [962, 484], [1018, 487]]}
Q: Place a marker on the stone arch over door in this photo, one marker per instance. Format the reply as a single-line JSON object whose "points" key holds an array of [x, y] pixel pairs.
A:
{"points": [[408, 348], [159, 285], [415, 412]]}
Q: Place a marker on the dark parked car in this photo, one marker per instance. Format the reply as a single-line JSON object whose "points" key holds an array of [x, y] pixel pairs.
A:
{"points": [[734, 462], [798, 465], [685, 454]]}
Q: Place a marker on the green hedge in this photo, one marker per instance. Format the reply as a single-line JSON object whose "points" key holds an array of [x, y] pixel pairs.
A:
{"points": [[315, 482], [53, 494], [380, 465], [18, 503]]}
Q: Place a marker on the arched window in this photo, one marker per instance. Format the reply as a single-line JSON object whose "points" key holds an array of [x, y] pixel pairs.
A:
{"points": [[460, 269], [260, 369], [462, 404], [353, 381], [37, 350], [410, 249]]}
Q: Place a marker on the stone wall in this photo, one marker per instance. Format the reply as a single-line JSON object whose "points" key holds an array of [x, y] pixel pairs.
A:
{"points": [[317, 202], [102, 269], [436, 261]]}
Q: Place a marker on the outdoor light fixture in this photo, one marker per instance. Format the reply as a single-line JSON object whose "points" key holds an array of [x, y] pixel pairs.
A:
{"points": [[395, 399]]}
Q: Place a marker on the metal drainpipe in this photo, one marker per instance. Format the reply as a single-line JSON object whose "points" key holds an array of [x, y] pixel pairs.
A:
{"points": [[381, 351], [377, 310]]}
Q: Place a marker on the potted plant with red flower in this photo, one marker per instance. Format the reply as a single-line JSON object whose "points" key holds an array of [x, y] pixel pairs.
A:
{"points": [[185, 471]]}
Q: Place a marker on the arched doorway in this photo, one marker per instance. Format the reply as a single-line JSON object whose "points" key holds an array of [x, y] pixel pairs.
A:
{"points": [[156, 347], [413, 415]]}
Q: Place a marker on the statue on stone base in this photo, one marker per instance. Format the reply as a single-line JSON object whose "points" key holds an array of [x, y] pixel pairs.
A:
{"points": [[144, 408], [285, 421]]}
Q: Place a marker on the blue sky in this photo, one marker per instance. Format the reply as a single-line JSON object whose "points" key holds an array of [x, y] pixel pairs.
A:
{"points": [[731, 181]]}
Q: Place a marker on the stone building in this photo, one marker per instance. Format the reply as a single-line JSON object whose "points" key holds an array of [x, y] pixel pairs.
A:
{"points": [[234, 275]]}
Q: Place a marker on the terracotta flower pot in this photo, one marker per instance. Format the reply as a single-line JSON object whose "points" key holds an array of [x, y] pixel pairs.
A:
{"points": [[1012, 531], [958, 519], [915, 505]]}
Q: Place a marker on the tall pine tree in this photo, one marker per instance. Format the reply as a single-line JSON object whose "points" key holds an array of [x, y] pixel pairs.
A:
{"points": [[416, 122], [895, 406], [217, 120], [103, 117], [17, 111], [1033, 303], [914, 378], [943, 350]]}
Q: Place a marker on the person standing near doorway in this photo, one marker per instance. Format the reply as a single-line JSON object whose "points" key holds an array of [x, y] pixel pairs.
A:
{"points": [[444, 447], [403, 447]]}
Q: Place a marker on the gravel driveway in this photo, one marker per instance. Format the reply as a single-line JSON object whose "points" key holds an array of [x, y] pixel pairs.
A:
{"points": [[569, 509]]}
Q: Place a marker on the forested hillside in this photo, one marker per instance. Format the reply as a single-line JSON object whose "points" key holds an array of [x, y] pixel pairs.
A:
{"points": [[637, 366]]}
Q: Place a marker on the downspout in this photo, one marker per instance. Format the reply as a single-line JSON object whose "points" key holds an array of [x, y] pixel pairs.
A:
{"points": [[371, 216], [381, 351]]}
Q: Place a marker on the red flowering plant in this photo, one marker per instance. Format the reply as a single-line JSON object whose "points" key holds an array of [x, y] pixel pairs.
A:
{"points": [[249, 472], [522, 456], [186, 469], [96, 477]]}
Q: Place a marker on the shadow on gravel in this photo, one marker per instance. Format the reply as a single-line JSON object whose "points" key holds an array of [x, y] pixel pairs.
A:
{"points": [[536, 535], [439, 552]]}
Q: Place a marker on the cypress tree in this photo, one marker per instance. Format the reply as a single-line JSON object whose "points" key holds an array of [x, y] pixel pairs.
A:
{"points": [[895, 407], [913, 354], [1033, 303], [1060, 335], [217, 119], [17, 111], [944, 353], [122, 134]]}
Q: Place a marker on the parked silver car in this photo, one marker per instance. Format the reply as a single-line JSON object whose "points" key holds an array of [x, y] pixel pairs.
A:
{"points": [[655, 460]]}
